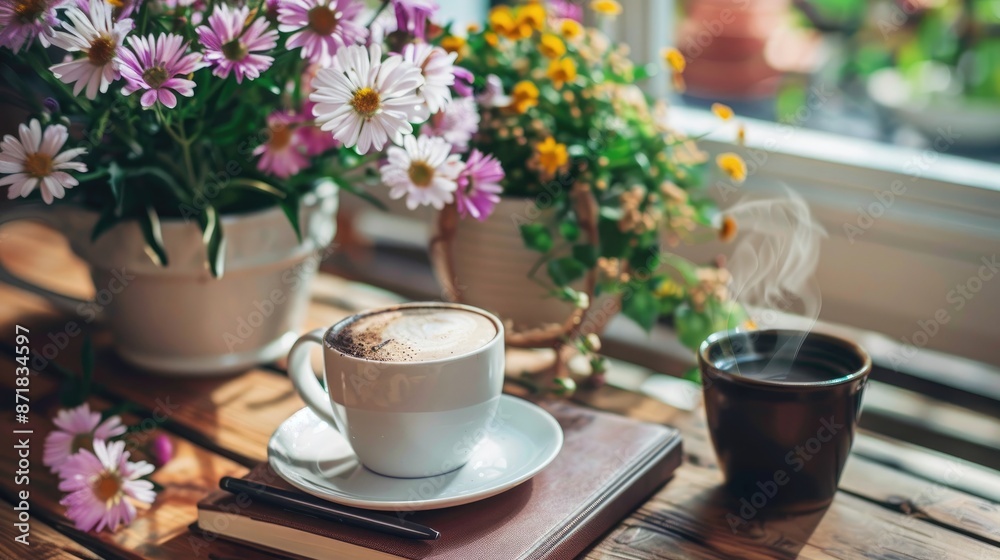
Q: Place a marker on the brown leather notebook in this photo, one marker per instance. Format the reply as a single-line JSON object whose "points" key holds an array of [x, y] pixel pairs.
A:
{"points": [[608, 465]]}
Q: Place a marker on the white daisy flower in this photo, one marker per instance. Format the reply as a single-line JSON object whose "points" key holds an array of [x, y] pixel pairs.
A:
{"points": [[438, 68], [98, 37], [424, 171], [366, 101], [35, 159]]}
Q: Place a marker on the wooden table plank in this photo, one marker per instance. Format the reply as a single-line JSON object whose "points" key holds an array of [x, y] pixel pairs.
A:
{"points": [[44, 542]]}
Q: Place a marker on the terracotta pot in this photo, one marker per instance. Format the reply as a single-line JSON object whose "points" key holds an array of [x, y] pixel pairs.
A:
{"points": [[725, 42], [178, 319]]}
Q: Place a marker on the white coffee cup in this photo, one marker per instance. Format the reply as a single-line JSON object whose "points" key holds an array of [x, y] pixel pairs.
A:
{"points": [[412, 418]]}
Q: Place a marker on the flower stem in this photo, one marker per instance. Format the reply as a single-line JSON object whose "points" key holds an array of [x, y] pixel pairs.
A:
{"points": [[385, 3], [185, 143], [188, 163]]}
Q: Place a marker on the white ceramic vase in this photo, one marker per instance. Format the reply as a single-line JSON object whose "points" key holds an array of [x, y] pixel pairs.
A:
{"points": [[178, 319], [491, 266]]}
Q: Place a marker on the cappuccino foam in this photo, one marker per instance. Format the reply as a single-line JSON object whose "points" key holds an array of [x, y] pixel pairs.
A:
{"points": [[413, 334]]}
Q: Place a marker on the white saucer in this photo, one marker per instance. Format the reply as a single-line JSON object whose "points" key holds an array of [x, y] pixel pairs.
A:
{"points": [[312, 456]]}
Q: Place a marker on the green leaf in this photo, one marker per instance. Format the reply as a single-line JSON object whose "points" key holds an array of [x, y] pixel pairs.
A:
{"points": [[257, 185], [569, 295], [586, 254], [614, 243], [569, 229], [116, 179], [646, 258], [225, 94], [106, 221], [149, 222], [692, 327], [686, 269], [290, 206], [566, 270], [536, 237], [214, 241], [641, 306], [363, 195]]}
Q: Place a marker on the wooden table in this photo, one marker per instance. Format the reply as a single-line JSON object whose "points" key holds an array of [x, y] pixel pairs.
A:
{"points": [[896, 500]]}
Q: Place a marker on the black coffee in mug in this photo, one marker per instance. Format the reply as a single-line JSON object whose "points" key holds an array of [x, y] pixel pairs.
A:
{"points": [[782, 409]]}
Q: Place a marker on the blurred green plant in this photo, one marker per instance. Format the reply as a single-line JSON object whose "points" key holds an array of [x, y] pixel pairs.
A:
{"points": [[914, 36]]}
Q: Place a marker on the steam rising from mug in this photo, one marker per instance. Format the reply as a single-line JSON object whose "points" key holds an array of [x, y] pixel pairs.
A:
{"points": [[774, 263]]}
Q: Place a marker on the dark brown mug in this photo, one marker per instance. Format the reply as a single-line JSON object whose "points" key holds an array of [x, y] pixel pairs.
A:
{"points": [[782, 409]]}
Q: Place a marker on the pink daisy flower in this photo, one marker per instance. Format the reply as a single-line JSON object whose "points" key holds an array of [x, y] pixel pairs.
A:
{"points": [[23, 20], [412, 15], [479, 186], [322, 27], [566, 9], [316, 141], [104, 486], [232, 46], [437, 67], [120, 8], [34, 160], [463, 81], [98, 37], [283, 155], [77, 428], [456, 123], [153, 64], [271, 10]]}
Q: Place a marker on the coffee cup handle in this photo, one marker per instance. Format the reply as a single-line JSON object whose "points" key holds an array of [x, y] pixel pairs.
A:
{"points": [[304, 378]]}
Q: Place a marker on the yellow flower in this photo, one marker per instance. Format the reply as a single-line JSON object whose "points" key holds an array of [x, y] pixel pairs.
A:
{"points": [[741, 135], [724, 112], [531, 15], [502, 21], [472, 28], [668, 288], [570, 29], [606, 7], [562, 71], [453, 44], [524, 96], [491, 38], [732, 165], [551, 155], [500, 12], [551, 46], [674, 59]]}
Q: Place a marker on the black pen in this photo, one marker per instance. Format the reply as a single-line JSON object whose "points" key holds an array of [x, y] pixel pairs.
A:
{"points": [[325, 510]]}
